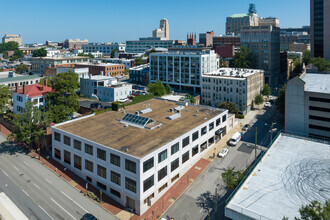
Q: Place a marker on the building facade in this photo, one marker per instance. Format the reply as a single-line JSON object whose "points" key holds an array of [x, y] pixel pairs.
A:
{"points": [[320, 28], [235, 22], [307, 105], [206, 39], [143, 44], [127, 62], [139, 74], [269, 21], [106, 49], [135, 159], [163, 32], [239, 86], [35, 93], [20, 80], [12, 37], [182, 70], [99, 68], [264, 42], [299, 47], [191, 39], [74, 43]]}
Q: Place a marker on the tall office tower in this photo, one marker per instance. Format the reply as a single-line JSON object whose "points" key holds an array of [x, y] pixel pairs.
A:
{"points": [[264, 41], [163, 32], [235, 22], [320, 28]]}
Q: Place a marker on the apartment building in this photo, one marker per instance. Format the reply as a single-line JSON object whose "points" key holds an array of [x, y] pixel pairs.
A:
{"points": [[235, 22], [299, 47], [40, 64], [106, 49], [99, 68], [16, 79], [182, 70], [137, 155], [139, 74], [239, 86], [104, 88], [12, 37], [264, 42], [307, 105], [35, 93], [74, 43], [143, 44]]}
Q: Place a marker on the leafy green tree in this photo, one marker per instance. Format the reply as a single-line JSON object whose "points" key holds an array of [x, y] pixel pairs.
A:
{"points": [[49, 81], [280, 101], [138, 61], [321, 64], [315, 211], [232, 178], [191, 98], [157, 88], [86, 55], [42, 52], [29, 125], [21, 68], [232, 108], [4, 97], [306, 57], [244, 59], [168, 89], [63, 102], [258, 99], [266, 91], [4, 47]]}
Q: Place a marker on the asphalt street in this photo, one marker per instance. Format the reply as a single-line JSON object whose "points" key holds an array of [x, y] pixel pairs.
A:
{"points": [[40, 193], [199, 198]]}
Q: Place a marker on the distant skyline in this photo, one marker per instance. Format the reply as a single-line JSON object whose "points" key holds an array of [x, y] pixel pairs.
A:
{"points": [[117, 21]]}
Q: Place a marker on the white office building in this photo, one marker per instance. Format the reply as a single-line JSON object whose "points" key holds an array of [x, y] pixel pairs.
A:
{"points": [[137, 155], [307, 105], [144, 44], [239, 86], [106, 49], [104, 88], [182, 69]]}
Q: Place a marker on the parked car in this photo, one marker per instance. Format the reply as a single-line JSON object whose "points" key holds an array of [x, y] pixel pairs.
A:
{"points": [[235, 139], [88, 216], [246, 127], [268, 104], [223, 152], [96, 105]]}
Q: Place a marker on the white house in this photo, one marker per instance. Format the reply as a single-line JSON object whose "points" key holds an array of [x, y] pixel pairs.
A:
{"points": [[36, 93], [136, 155]]}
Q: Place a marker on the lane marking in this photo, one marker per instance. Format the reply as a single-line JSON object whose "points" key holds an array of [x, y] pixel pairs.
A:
{"points": [[25, 193], [15, 168], [36, 185], [26, 163], [48, 180], [5, 173], [45, 212], [75, 202], [62, 208]]}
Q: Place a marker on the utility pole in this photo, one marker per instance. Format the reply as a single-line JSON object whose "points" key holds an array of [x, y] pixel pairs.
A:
{"points": [[216, 203], [255, 145], [271, 132]]}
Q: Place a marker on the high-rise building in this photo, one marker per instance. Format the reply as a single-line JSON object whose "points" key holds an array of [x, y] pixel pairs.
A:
{"points": [[206, 38], [12, 37], [235, 22], [264, 41], [163, 32], [320, 28]]}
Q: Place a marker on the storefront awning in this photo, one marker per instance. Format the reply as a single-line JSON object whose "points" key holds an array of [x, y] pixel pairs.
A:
{"points": [[220, 131]]}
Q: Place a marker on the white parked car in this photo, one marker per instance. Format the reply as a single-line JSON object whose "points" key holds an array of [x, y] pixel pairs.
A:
{"points": [[267, 104], [223, 152]]}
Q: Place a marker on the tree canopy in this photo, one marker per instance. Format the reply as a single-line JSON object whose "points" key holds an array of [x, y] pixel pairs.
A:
{"points": [[280, 101], [113, 53], [64, 100], [314, 211], [266, 91], [232, 108], [11, 46], [29, 125], [42, 52], [244, 59], [306, 57], [157, 88], [21, 68], [168, 89], [4, 97], [86, 55], [321, 64], [232, 178], [258, 99], [138, 61]]}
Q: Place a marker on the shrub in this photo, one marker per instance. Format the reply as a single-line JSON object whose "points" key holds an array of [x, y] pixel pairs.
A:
{"points": [[239, 116]]}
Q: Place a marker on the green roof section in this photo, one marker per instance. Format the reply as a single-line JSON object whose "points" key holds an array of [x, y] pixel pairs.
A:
{"points": [[19, 78], [239, 15]]}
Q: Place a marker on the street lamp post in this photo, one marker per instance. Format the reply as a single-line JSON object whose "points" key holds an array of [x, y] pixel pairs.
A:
{"points": [[271, 130]]}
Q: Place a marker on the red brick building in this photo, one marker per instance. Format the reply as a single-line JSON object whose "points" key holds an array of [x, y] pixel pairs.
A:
{"points": [[108, 69]]}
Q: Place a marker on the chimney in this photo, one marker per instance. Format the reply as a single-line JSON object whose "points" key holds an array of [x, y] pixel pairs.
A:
{"points": [[46, 82], [16, 85], [24, 89]]}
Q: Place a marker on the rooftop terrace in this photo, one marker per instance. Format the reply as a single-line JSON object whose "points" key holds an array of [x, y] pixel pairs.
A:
{"points": [[106, 128]]}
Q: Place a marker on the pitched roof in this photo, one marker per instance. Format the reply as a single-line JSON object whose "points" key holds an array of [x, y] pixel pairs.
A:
{"points": [[35, 90]]}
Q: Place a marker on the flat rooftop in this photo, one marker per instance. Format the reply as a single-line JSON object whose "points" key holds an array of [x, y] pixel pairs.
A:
{"points": [[233, 72], [100, 64], [317, 82], [106, 128], [292, 173]]}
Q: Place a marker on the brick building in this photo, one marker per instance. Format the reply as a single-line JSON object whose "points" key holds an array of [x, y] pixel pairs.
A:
{"points": [[108, 69]]}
